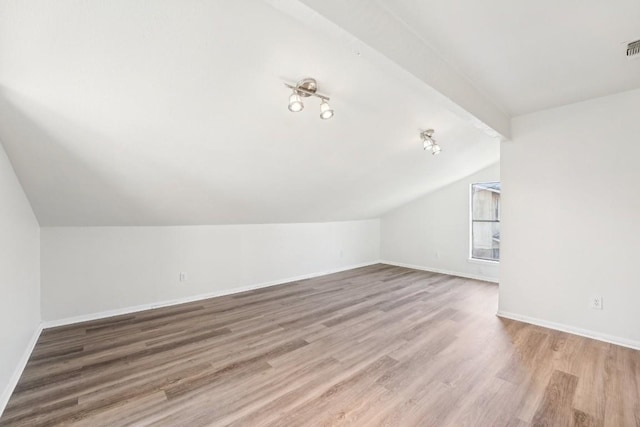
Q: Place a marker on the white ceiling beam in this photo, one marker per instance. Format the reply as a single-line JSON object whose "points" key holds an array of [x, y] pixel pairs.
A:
{"points": [[371, 30]]}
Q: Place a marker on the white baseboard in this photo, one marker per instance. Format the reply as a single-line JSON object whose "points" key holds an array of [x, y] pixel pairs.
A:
{"points": [[438, 270], [571, 330], [149, 306], [22, 363]]}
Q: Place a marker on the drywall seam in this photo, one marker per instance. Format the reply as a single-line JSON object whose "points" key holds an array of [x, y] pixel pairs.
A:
{"points": [[572, 330]]}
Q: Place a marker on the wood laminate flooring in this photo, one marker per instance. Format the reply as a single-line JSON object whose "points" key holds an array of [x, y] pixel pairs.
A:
{"points": [[374, 346]]}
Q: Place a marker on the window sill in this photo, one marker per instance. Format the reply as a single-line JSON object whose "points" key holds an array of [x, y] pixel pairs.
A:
{"points": [[483, 261]]}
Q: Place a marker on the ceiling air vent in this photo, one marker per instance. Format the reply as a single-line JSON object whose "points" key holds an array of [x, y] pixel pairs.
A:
{"points": [[633, 49]]}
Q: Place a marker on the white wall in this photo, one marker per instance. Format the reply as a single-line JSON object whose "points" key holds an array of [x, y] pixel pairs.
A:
{"points": [[87, 270], [19, 277], [571, 217], [433, 232]]}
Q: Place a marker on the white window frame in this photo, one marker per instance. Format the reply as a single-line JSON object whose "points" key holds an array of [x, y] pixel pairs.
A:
{"points": [[470, 257]]}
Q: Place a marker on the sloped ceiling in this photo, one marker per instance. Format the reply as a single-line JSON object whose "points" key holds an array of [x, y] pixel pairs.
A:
{"points": [[531, 55], [171, 112]]}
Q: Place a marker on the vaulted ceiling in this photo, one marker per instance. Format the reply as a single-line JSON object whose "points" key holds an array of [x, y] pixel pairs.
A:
{"points": [[531, 55], [165, 112]]}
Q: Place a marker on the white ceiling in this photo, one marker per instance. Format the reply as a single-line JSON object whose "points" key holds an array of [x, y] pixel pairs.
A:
{"points": [[161, 112], [531, 55], [171, 112]]}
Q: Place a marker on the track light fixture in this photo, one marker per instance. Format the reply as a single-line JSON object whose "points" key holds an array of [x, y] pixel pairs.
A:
{"points": [[304, 89], [428, 143]]}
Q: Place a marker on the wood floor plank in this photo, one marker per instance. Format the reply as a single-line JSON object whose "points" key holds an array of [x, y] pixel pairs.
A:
{"points": [[378, 345], [555, 408]]}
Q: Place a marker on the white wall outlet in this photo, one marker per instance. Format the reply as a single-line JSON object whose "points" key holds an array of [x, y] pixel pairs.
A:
{"points": [[596, 303], [183, 276]]}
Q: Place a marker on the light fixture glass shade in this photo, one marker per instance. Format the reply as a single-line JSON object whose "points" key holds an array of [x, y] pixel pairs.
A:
{"points": [[325, 110], [435, 149], [428, 143], [295, 103]]}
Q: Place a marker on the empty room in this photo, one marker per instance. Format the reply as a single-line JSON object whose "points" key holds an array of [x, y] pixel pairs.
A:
{"points": [[319, 213]]}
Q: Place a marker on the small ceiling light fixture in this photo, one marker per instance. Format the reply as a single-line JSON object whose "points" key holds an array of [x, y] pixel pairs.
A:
{"points": [[306, 88], [428, 143], [326, 112], [295, 103]]}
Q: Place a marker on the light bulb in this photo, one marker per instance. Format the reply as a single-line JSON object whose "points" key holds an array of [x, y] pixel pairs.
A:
{"points": [[428, 143], [325, 110], [295, 103], [435, 149]]}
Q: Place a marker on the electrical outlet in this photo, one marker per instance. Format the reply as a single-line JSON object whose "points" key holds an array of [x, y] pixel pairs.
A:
{"points": [[596, 303], [183, 276]]}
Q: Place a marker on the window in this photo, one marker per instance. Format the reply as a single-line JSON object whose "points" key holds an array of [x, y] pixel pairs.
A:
{"points": [[485, 221]]}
